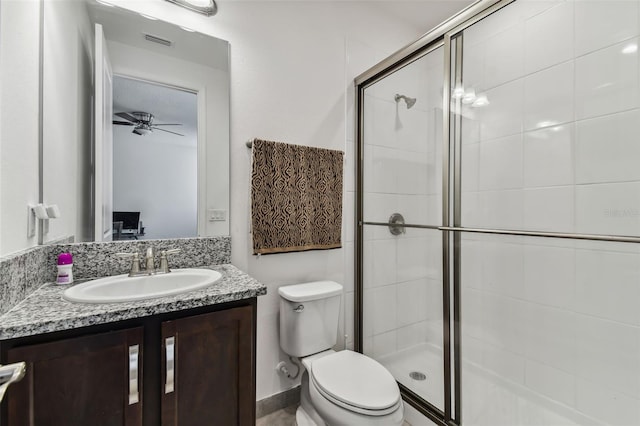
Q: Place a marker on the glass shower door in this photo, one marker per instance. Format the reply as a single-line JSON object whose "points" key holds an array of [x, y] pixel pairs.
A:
{"points": [[402, 279], [549, 102]]}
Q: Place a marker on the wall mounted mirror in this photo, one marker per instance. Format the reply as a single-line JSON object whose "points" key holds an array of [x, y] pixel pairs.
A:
{"points": [[155, 163]]}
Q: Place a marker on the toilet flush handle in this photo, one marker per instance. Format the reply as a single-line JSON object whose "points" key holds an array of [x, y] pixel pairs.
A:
{"points": [[298, 309]]}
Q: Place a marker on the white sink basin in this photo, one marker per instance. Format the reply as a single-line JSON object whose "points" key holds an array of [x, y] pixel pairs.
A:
{"points": [[122, 288]]}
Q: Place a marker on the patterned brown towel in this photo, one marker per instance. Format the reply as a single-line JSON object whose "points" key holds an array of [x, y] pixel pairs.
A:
{"points": [[296, 197]]}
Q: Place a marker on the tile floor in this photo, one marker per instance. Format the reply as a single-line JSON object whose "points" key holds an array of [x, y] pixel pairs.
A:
{"points": [[284, 417]]}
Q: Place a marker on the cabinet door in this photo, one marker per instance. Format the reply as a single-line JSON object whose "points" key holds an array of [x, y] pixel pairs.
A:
{"points": [[92, 380], [208, 369]]}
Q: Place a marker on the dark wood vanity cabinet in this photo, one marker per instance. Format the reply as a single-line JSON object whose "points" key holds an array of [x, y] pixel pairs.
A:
{"points": [[187, 368], [208, 376], [78, 381]]}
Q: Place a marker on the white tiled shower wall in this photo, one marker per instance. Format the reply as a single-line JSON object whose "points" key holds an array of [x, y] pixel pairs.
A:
{"points": [[402, 173], [556, 150]]}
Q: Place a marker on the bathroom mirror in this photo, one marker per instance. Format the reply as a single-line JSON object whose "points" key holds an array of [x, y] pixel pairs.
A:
{"points": [[166, 172]]}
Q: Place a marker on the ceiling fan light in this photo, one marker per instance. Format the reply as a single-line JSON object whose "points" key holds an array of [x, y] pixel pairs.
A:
{"points": [[142, 131], [205, 7]]}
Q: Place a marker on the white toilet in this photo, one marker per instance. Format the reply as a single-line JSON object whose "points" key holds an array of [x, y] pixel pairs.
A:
{"points": [[342, 388]]}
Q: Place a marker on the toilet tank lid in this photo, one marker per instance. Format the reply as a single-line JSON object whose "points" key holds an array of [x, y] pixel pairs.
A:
{"points": [[310, 291]]}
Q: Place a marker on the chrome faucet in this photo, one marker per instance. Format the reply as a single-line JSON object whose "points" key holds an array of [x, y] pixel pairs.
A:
{"points": [[135, 263], [136, 269], [149, 261], [164, 263]]}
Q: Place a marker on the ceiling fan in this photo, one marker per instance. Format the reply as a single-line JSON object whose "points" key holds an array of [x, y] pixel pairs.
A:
{"points": [[143, 122]]}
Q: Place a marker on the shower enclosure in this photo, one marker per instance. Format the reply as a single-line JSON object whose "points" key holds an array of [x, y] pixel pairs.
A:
{"points": [[498, 215]]}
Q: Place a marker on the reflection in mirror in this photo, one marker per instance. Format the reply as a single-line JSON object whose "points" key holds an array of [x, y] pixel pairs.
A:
{"points": [[179, 77], [155, 131]]}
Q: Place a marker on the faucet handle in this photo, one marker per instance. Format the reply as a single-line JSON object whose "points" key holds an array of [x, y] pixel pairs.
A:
{"points": [[135, 263], [164, 263], [126, 255]]}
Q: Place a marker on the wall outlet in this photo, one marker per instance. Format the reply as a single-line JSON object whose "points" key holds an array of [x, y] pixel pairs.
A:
{"points": [[216, 215]]}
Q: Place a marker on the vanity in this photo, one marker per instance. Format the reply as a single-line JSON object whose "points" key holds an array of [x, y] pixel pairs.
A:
{"points": [[186, 359]]}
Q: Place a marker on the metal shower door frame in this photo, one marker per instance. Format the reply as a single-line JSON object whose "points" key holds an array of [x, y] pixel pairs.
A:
{"points": [[441, 36]]}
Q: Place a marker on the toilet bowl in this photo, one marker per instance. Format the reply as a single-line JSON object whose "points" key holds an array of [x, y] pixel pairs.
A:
{"points": [[342, 388], [348, 388]]}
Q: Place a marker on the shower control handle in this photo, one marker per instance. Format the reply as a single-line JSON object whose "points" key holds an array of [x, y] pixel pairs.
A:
{"points": [[396, 224], [298, 309]]}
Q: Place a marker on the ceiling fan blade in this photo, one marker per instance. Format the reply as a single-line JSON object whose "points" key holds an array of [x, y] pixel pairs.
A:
{"points": [[157, 128], [176, 124], [127, 116], [123, 123]]}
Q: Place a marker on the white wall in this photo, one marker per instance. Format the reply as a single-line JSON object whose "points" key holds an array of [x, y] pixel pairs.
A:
{"points": [[297, 89], [292, 67], [19, 120], [67, 109], [157, 176]]}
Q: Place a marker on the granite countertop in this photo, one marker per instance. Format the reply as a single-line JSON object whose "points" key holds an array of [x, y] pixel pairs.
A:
{"points": [[45, 310]]}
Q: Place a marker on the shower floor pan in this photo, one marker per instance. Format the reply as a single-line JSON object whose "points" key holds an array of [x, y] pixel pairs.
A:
{"points": [[488, 399]]}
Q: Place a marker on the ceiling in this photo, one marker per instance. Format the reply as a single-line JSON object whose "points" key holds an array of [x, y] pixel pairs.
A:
{"points": [[422, 15], [168, 105], [130, 28]]}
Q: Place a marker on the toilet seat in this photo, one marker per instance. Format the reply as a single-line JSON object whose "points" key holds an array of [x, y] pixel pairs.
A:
{"points": [[355, 382]]}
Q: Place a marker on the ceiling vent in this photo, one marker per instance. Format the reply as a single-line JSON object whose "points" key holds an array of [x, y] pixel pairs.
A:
{"points": [[158, 40]]}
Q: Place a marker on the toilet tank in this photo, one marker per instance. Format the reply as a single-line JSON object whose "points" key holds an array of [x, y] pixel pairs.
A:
{"points": [[309, 315]]}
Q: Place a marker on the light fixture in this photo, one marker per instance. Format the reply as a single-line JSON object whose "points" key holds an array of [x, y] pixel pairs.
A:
{"points": [[205, 7], [630, 48], [142, 130]]}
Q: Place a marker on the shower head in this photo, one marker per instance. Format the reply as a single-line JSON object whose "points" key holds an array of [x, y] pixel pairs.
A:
{"points": [[409, 101]]}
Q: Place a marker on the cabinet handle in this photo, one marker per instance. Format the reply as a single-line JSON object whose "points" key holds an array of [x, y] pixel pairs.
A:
{"points": [[170, 349], [134, 395]]}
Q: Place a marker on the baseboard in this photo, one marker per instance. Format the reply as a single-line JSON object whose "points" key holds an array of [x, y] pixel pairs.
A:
{"points": [[278, 401]]}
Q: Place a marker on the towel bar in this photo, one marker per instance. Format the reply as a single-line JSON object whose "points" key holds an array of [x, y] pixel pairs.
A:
{"points": [[249, 144]]}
